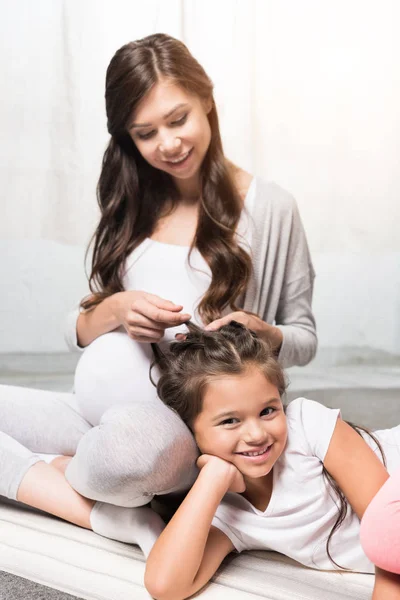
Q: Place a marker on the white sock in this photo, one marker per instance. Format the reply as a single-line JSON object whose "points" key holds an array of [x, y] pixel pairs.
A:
{"points": [[140, 525]]}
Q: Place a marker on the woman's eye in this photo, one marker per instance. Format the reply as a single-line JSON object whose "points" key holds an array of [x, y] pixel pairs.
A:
{"points": [[145, 136], [180, 121], [267, 411], [177, 123]]}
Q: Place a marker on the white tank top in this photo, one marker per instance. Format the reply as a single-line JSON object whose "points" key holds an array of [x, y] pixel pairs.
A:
{"points": [[160, 269], [164, 269]]}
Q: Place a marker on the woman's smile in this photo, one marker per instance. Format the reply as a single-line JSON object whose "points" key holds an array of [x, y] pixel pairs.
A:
{"points": [[179, 162]]}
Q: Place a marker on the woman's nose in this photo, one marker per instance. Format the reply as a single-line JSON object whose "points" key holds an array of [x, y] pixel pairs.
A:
{"points": [[169, 144]]}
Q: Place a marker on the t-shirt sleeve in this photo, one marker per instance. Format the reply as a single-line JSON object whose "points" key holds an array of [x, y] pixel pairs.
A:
{"points": [[216, 522], [318, 423], [229, 520]]}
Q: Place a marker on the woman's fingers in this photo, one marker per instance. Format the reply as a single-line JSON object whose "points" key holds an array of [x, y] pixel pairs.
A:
{"points": [[149, 315], [218, 323], [146, 334], [239, 316], [153, 308], [180, 337], [135, 319], [162, 303]]}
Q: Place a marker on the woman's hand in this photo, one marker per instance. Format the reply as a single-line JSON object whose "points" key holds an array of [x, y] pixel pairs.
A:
{"points": [[265, 331], [145, 317], [222, 468]]}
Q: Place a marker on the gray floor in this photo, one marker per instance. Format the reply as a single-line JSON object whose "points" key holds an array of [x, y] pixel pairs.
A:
{"points": [[16, 588], [367, 393]]}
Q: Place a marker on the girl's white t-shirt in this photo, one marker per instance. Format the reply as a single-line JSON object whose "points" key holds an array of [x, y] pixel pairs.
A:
{"points": [[302, 509]]}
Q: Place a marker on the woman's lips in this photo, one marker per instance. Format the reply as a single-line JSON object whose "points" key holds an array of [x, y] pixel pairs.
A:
{"points": [[179, 162]]}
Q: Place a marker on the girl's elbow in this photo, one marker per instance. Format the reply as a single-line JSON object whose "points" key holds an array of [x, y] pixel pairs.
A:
{"points": [[155, 589], [161, 594], [160, 589]]}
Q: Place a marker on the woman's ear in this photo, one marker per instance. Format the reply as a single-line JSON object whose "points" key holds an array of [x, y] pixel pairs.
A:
{"points": [[208, 104]]}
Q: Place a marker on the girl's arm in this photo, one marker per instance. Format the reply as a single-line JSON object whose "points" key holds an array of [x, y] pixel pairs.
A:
{"points": [[189, 550], [360, 475], [387, 585], [354, 466]]}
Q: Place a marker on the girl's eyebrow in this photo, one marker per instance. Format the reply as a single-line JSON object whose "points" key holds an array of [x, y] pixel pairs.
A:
{"points": [[224, 415], [168, 114], [231, 413]]}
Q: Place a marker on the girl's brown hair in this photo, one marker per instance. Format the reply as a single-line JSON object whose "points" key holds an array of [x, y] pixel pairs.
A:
{"points": [[133, 195], [188, 366]]}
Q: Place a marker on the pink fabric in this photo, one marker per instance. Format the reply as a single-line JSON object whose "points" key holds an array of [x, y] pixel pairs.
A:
{"points": [[380, 526]]}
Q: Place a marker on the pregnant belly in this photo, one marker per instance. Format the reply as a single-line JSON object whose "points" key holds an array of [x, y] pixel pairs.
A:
{"points": [[114, 369]]}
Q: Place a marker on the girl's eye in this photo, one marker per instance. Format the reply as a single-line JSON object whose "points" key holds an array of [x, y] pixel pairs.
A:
{"points": [[231, 421], [267, 411], [145, 136], [180, 121]]}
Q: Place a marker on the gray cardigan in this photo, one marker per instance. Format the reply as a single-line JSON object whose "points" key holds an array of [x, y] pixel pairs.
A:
{"points": [[281, 288], [280, 291]]}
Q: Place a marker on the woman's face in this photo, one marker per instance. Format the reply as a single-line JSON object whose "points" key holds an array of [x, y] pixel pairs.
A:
{"points": [[242, 422], [171, 130]]}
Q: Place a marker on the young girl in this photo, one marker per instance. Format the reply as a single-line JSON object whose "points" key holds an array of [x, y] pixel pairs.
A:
{"points": [[272, 477], [182, 232]]}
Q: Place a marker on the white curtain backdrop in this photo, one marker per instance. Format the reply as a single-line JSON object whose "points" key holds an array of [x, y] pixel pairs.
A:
{"points": [[308, 95]]}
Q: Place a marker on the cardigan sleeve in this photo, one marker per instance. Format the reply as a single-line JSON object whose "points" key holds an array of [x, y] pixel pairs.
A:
{"points": [[281, 287], [294, 315], [70, 333], [296, 321]]}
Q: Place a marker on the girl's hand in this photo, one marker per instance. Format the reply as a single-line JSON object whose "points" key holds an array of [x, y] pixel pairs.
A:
{"points": [[265, 331], [145, 317], [223, 468]]}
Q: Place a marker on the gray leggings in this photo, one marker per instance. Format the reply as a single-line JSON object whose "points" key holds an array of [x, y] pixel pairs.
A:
{"points": [[138, 449]]}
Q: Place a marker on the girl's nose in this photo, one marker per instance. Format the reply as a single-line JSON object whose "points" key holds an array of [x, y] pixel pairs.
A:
{"points": [[254, 433]]}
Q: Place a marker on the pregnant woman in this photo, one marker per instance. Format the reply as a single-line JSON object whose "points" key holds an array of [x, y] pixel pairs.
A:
{"points": [[183, 234]]}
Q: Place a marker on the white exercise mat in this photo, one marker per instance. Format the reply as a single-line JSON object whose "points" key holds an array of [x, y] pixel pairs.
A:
{"points": [[79, 562]]}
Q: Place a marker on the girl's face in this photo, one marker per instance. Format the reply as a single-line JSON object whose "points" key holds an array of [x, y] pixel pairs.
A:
{"points": [[171, 130], [242, 422]]}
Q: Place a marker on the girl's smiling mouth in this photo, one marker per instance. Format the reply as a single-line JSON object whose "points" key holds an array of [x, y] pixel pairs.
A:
{"points": [[256, 455]]}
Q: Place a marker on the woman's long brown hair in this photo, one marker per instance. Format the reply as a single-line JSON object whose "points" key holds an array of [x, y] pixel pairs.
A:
{"points": [[132, 195], [187, 366]]}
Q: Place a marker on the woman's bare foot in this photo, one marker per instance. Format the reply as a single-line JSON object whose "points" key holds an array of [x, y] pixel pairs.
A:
{"points": [[61, 463], [47, 489]]}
